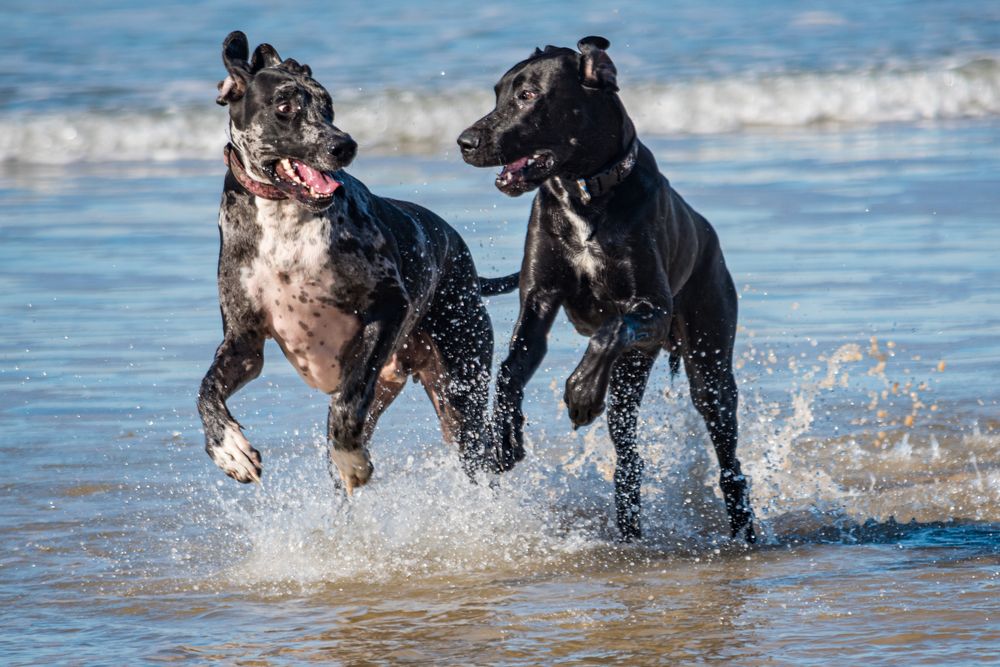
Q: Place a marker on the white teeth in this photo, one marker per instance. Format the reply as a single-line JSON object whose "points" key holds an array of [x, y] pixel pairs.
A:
{"points": [[530, 162], [286, 165]]}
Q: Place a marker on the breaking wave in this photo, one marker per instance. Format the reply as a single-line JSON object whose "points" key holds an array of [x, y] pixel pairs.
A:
{"points": [[427, 122]]}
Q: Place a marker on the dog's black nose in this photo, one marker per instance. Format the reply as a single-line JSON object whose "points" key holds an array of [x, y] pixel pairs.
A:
{"points": [[468, 140], [344, 150]]}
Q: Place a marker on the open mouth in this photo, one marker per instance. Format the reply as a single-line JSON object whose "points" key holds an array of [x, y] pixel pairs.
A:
{"points": [[525, 173], [305, 183]]}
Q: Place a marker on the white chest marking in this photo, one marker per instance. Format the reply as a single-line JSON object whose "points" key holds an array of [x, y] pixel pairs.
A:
{"points": [[290, 281], [587, 260]]}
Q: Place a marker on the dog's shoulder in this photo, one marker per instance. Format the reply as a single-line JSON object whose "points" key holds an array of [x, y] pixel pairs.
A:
{"points": [[239, 232]]}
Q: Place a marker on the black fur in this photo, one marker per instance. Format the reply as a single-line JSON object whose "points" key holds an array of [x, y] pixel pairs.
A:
{"points": [[636, 269]]}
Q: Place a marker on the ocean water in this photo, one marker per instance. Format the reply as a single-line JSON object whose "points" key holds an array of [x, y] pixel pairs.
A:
{"points": [[847, 153]]}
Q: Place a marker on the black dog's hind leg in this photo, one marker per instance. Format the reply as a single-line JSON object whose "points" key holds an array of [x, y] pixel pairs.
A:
{"points": [[628, 383], [708, 362], [714, 393], [238, 360], [350, 404]]}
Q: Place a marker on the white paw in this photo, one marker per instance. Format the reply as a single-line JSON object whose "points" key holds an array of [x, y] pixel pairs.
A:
{"points": [[236, 457], [355, 467]]}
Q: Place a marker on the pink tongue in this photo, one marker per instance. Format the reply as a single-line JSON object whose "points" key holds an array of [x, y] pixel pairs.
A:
{"points": [[317, 180], [516, 165]]}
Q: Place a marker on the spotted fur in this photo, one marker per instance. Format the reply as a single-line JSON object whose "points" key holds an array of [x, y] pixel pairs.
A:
{"points": [[360, 292]]}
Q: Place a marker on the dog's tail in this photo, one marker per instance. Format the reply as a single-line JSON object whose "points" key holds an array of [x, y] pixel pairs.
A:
{"points": [[494, 286]]}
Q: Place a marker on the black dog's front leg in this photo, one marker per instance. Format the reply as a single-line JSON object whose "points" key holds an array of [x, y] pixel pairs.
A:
{"points": [[238, 360], [527, 349], [628, 382], [643, 325], [351, 402]]}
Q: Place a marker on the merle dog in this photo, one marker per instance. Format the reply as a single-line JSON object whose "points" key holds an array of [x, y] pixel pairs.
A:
{"points": [[359, 291], [634, 266]]}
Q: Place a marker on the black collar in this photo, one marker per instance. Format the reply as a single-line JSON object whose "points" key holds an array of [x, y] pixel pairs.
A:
{"points": [[602, 182]]}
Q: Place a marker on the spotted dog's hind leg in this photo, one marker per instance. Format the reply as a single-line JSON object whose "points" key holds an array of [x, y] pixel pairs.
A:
{"points": [[238, 360], [456, 373], [457, 382]]}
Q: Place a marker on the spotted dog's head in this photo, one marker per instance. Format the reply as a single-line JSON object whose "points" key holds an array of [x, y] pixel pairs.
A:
{"points": [[281, 123], [556, 114]]}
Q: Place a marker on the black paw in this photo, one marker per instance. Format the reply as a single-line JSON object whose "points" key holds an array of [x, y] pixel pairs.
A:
{"points": [[508, 440], [743, 528], [584, 399], [734, 489], [629, 535], [629, 530]]}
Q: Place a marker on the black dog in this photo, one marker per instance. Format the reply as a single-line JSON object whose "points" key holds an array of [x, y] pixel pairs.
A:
{"points": [[635, 267], [359, 291]]}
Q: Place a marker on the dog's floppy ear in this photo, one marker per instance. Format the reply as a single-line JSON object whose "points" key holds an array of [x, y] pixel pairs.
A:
{"points": [[596, 68], [235, 51], [264, 55], [295, 66]]}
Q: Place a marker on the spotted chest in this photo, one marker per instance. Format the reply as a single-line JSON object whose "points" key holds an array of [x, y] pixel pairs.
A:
{"points": [[300, 292]]}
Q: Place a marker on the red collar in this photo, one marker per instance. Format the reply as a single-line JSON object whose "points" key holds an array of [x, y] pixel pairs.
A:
{"points": [[256, 188]]}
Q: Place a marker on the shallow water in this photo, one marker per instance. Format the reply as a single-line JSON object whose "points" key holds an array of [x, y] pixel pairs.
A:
{"points": [[864, 254], [864, 260]]}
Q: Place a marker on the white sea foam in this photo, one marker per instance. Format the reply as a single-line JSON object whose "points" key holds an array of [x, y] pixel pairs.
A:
{"points": [[428, 122]]}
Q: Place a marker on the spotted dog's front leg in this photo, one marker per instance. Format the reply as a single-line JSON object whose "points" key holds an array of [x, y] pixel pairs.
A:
{"points": [[238, 360], [351, 403]]}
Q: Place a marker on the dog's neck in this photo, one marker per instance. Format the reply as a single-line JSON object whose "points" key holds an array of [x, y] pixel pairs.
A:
{"points": [[254, 187], [604, 180]]}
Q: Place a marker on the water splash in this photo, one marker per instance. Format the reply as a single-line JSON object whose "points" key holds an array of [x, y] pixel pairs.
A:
{"points": [[420, 516]]}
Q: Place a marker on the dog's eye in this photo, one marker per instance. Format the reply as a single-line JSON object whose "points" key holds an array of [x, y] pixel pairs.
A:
{"points": [[285, 108], [527, 95]]}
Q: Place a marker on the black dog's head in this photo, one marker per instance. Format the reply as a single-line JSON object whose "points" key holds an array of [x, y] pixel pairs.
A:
{"points": [[557, 113], [281, 122]]}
